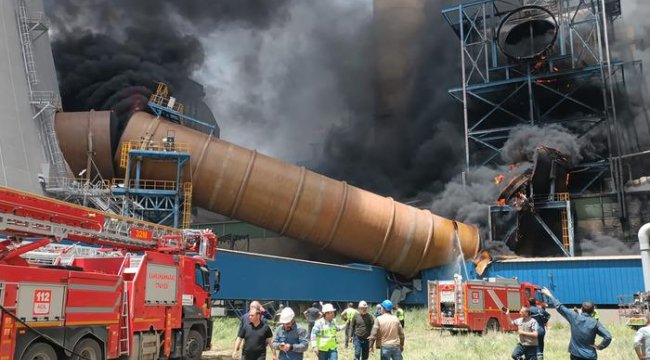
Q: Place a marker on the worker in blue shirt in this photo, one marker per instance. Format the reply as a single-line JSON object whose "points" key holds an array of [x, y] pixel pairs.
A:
{"points": [[290, 338], [584, 329]]}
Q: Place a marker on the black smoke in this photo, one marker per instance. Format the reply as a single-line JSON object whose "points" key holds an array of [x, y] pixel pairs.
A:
{"points": [[303, 72], [110, 55], [415, 152], [98, 72]]}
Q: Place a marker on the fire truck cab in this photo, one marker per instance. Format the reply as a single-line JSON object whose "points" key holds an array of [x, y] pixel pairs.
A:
{"points": [[478, 305], [133, 290]]}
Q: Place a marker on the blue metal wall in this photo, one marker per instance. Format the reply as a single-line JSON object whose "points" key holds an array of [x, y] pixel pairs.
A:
{"points": [[254, 276], [263, 277], [598, 279]]}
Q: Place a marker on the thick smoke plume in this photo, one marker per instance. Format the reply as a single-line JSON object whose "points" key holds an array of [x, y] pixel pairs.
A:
{"points": [[109, 55], [523, 140], [421, 149], [98, 72], [296, 79], [282, 89]]}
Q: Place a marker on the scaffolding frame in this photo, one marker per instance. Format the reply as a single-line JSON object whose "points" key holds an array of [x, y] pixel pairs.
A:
{"points": [[490, 80], [498, 93], [166, 202], [565, 240]]}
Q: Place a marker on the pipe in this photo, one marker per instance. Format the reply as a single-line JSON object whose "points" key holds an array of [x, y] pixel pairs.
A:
{"points": [[80, 128], [644, 242], [293, 201]]}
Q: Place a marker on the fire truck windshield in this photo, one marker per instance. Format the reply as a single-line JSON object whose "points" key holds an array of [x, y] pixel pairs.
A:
{"points": [[447, 309], [202, 277]]}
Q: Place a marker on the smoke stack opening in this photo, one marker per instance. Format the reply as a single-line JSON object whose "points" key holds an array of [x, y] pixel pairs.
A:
{"points": [[527, 33]]}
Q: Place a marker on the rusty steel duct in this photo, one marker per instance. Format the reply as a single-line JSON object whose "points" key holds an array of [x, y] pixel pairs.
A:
{"points": [[290, 200]]}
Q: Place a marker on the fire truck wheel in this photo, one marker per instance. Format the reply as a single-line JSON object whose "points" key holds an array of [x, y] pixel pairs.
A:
{"points": [[87, 349], [195, 345], [492, 325], [40, 351]]}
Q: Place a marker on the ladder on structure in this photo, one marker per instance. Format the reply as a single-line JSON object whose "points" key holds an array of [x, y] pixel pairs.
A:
{"points": [[565, 222], [45, 103], [187, 205], [125, 333], [26, 41]]}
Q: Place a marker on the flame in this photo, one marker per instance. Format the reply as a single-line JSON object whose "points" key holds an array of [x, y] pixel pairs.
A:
{"points": [[499, 179]]}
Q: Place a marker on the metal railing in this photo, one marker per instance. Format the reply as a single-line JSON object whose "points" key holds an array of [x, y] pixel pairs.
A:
{"points": [[146, 184], [165, 101], [26, 42], [83, 186], [169, 146]]}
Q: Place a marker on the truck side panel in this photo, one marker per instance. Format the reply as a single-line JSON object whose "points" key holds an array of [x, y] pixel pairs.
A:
{"points": [[150, 315]]}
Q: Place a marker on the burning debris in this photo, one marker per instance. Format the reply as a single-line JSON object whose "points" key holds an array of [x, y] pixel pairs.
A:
{"points": [[548, 176]]}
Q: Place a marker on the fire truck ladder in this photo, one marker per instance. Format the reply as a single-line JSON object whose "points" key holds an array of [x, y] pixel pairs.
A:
{"points": [[125, 334], [459, 298], [24, 215]]}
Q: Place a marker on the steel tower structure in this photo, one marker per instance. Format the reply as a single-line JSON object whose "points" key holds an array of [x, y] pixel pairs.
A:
{"points": [[541, 62]]}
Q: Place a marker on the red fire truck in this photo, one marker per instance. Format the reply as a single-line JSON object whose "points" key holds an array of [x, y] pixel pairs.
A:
{"points": [[478, 305], [139, 291]]}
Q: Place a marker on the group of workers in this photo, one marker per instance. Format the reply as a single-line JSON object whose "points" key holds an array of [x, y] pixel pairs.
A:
{"points": [[584, 324], [385, 331], [291, 340]]}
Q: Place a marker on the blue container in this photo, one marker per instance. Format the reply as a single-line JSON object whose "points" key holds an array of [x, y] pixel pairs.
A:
{"points": [[263, 277], [601, 279]]}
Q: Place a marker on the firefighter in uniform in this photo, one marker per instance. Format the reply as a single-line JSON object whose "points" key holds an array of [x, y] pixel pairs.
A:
{"points": [[323, 335]]}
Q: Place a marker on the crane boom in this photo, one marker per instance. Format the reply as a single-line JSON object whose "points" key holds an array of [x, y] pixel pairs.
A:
{"points": [[25, 215]]}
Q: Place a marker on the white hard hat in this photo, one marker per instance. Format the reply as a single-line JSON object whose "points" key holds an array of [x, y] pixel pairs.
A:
{"points": [[328, 308], [286, 316], [363, 304]]}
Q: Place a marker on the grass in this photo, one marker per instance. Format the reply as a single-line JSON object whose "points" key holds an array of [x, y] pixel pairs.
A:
{"points": [[424, 343]]}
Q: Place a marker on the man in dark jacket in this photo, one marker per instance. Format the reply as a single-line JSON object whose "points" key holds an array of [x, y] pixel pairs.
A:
{"points": [[360, 327], [290, 338], [541, 316], [584, 329], [312, 314]]}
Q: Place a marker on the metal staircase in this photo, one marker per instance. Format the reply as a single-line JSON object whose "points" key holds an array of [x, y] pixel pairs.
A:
{"points": [[44, 103], [26, 42]]}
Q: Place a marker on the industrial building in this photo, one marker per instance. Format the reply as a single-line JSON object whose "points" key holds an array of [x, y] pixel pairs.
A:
{"points": [[166, 160]]}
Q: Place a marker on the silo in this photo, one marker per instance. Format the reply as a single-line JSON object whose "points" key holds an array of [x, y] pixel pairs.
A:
{"points": [[28, 94]]}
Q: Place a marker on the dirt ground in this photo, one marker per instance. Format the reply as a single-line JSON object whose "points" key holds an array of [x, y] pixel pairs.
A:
{"points": [[217, 355]]}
